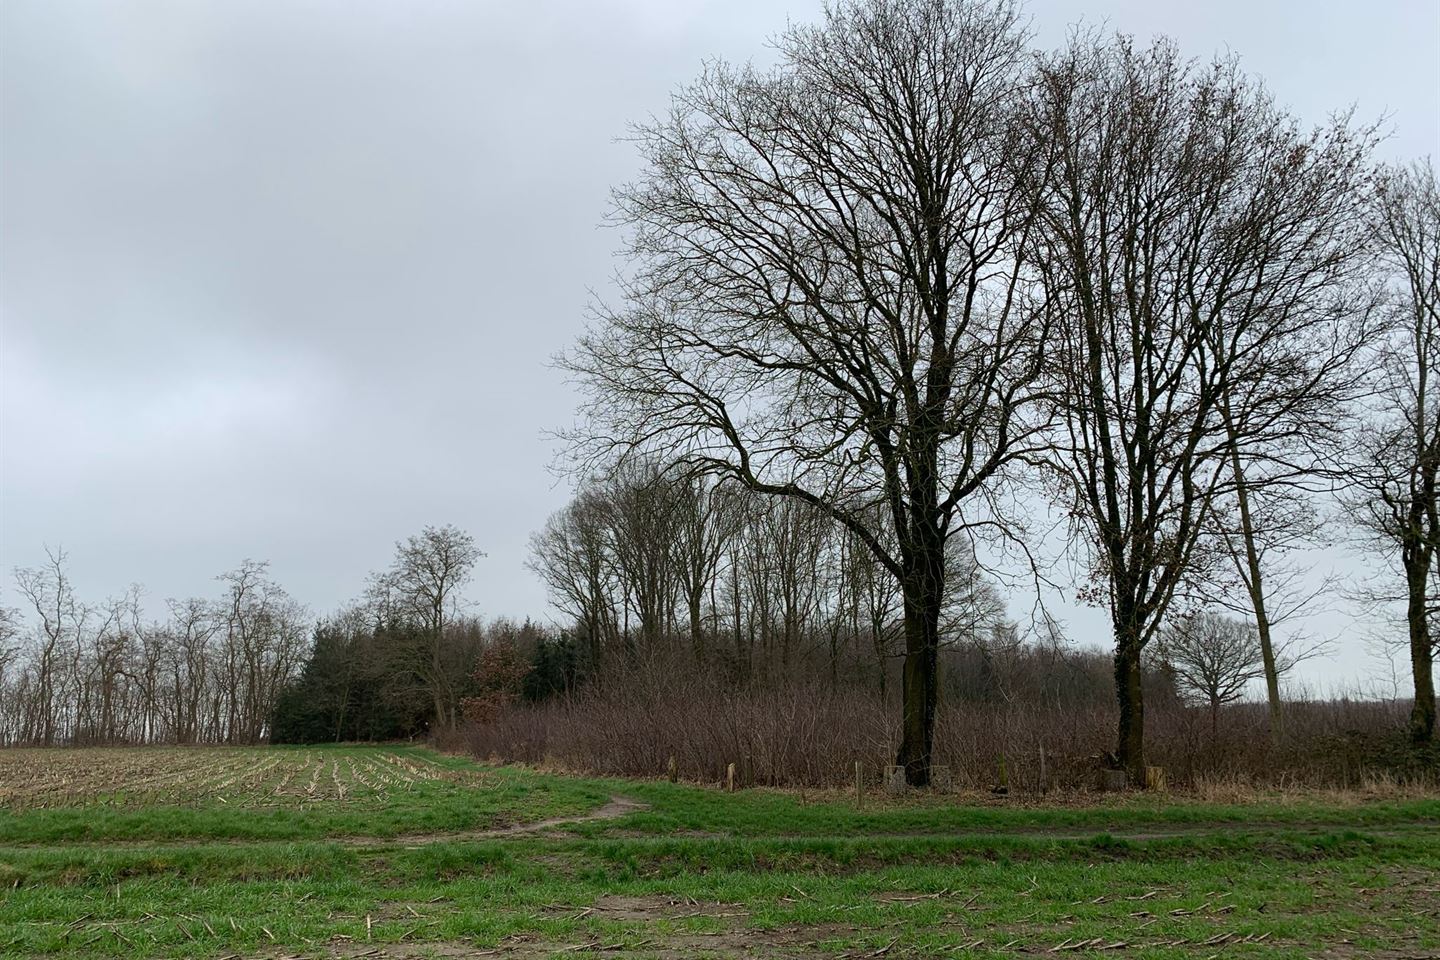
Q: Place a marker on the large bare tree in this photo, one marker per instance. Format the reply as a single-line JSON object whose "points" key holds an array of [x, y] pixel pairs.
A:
{"points": [[1397, 471], [825, 298], [1198, 246]]}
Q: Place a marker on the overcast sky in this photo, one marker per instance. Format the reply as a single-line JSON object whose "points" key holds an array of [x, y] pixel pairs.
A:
{"points": [[281, 280]]}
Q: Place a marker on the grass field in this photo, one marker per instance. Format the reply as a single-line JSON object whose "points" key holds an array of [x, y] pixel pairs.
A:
{"points": [[382, 852]]}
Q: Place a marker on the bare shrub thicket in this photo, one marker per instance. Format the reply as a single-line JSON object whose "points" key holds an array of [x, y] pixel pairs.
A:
{"points": [[804, 731]]}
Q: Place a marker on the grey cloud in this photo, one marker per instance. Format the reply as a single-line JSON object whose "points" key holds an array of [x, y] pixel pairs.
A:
{"points": [[280, 279]]}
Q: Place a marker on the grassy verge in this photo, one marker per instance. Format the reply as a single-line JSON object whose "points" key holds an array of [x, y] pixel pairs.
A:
{"points": [[757, 873]]}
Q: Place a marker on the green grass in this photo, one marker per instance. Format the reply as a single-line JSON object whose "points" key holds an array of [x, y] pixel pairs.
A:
{"points": [[767, 813], [703, 873]]}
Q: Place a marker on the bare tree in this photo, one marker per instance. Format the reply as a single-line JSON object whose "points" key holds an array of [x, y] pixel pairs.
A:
{"points": [[641, 514], [1397, 466], [703, 526], [875, 604], [10, 654], [825, 301], [263, 635], [49, 592], [189, 666], [571, 556], [1213, 658], [1197, 244], [1257, 529], [422, 587], [974, 608], [97, 673]]}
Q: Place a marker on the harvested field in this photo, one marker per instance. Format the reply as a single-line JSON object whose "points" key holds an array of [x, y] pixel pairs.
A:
{"points": [[197, 776]]}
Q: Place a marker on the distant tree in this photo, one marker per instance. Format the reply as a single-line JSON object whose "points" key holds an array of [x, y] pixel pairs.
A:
{"points": [[9, 631], [62, 617], [703, 526], [422, 588], [641, 512], [572, 557], [188, 664], [871, 597], [98, 673], [499, 678], [356, 685], [10, 654], [974, 609], [557, 666], [1213, 659]]}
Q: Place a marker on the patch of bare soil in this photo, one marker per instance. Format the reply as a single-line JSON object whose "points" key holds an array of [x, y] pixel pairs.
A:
{"points": [[611, 907]]}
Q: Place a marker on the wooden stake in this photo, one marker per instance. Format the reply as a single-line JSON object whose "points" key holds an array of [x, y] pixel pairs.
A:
{"points": [[730, 777], [859, 785], [672, 770], [1044, 783]]}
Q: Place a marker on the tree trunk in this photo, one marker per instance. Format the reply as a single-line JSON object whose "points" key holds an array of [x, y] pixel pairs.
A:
{"points": [[697, 637], [1422, 714], [441, 720], [1254, 582], [1131, 698], [923, 592], [592, 640]]}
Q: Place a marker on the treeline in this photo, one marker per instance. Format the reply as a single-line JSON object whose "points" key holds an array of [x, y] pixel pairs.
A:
{"points": [[649, 558], [210, 671], [246, 666]]}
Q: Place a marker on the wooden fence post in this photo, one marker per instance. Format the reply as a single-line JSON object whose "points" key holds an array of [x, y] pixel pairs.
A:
{"points": [[859, 785], [730, 777]]}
